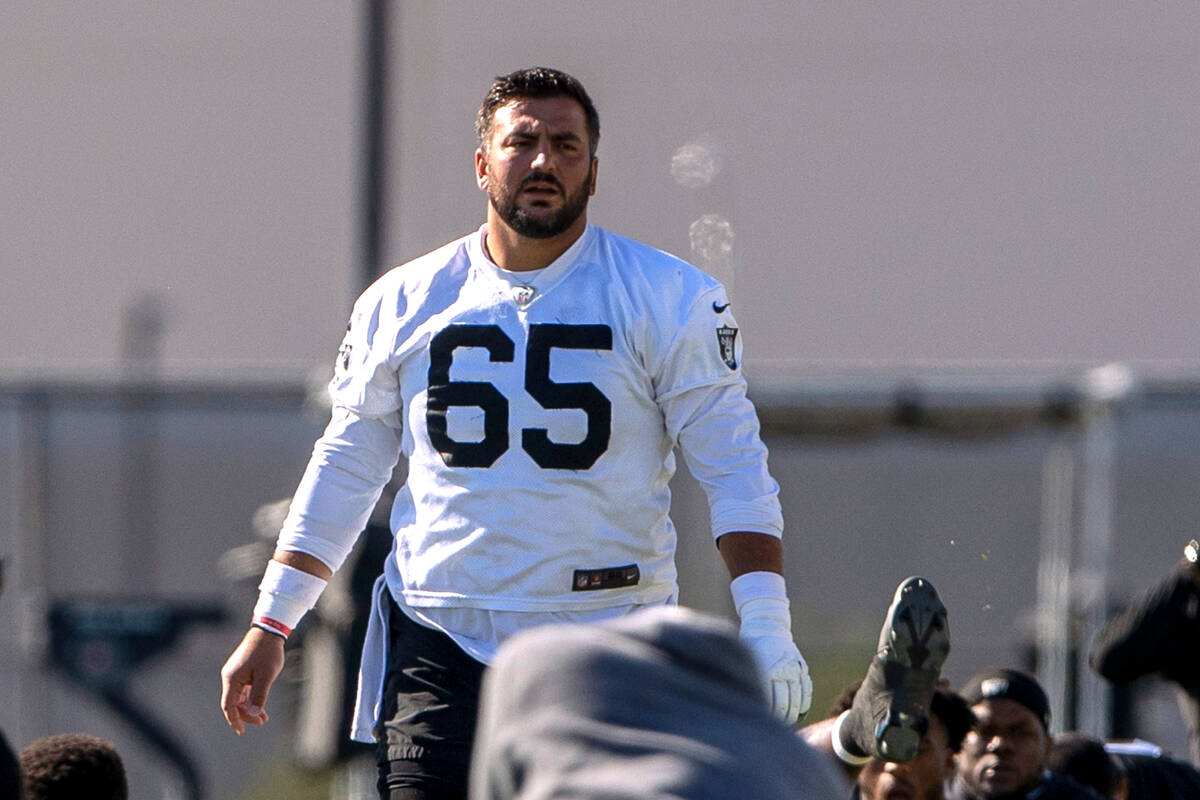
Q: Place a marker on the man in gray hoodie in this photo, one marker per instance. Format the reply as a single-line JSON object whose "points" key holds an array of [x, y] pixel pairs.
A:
{"points": [[664, 703]]}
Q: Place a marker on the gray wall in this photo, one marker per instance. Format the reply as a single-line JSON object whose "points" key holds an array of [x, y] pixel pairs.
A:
{"points": [[202, 153], [915, 181], [924, 181]]}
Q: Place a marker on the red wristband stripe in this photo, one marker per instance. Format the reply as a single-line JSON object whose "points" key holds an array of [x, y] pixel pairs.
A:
{"points": [[274, 625]]}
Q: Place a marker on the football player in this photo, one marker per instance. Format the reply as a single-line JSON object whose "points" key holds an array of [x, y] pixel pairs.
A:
{"points": [[537, 375]]}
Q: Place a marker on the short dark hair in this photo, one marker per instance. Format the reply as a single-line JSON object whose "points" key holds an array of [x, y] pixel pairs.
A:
{"points": [[1084, 759], [530, 83], [73, 765], [948, 706], [955, 714]]}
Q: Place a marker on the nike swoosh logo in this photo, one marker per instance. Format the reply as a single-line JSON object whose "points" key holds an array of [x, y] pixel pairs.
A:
{"points": [[719, 308]]}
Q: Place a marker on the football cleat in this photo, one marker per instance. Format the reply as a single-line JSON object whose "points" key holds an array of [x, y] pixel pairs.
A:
{"points": [[890, 712]]}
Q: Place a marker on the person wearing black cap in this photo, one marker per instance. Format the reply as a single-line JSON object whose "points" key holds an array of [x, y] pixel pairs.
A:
{"points": [[1004, 756]]}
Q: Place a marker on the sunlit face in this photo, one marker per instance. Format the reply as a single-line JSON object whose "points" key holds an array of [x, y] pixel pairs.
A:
{"points": [[1005, 752], [918, 779], [536, 166]]}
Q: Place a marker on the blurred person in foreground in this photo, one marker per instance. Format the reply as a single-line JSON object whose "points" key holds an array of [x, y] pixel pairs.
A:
{"points": [[1005, 755], [537, 374], [1160, 634], [894, 734], [70, 766], [1134, 770], [10, 771], [664, 703]]}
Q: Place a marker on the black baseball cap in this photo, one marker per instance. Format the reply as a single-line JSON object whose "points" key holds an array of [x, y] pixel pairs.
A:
{"points": [[1009, 684]]}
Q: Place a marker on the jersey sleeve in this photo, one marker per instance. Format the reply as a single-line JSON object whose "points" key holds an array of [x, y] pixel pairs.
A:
{"points": [[350, 464], [702, 392], [364, 380], [700, 346], [718, 434]]}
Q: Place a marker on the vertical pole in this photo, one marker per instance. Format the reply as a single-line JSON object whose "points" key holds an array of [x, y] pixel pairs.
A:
{"points": [[1054, 572], [1108, 386], [1095, 533], [356, 776], [31, 571], [374, 138], [139, 411]]}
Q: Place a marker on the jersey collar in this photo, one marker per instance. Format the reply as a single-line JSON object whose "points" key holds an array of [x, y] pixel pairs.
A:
{"points": [[540, 280]]}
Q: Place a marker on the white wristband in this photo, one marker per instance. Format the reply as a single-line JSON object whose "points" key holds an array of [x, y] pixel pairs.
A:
{"points": [[284, 596], [757, 586], [840, 749]]}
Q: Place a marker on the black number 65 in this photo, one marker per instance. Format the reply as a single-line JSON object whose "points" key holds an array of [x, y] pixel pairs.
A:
{"points": [[444, 393]]}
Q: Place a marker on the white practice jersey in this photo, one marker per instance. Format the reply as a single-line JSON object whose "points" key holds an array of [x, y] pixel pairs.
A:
{"points": [[538, 413]]}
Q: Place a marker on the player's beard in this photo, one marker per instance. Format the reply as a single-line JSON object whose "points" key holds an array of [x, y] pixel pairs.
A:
{"points": [[574, 204]]}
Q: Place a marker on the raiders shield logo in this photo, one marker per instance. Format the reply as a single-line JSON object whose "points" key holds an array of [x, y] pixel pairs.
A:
{"points": [[725, 338]]}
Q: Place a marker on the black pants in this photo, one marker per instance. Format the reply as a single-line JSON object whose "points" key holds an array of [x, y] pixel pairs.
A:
{"points": [[427, 719]]}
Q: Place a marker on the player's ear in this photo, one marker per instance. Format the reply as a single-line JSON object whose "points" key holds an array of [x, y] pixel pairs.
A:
{"points": [[592, 177], [481, 168]]}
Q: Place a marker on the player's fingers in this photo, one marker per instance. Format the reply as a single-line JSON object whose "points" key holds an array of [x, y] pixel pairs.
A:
{"points": [[806, 693], [256, 700], [231, 698], [792, 705], [791, 702], [800, 702], [779, 698]]}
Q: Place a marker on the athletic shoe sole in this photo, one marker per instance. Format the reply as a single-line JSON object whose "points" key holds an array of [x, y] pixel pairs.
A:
{"points": [[913, 646]]}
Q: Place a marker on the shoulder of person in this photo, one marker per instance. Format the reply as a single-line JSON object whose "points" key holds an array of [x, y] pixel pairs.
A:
{"points": [[635, 254], [1160, 776], [414, 273], [1064, 787], [434, 260], [658, 278]]}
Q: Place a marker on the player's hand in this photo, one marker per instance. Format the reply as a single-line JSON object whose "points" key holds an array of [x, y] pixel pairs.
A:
{"points": [[247, 676], [766, 630]]}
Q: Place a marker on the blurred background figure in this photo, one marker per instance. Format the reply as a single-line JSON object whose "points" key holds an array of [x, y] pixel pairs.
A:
{"points": [[1134, 770], [71, 766], [1086, 760], [1160, 635]]}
